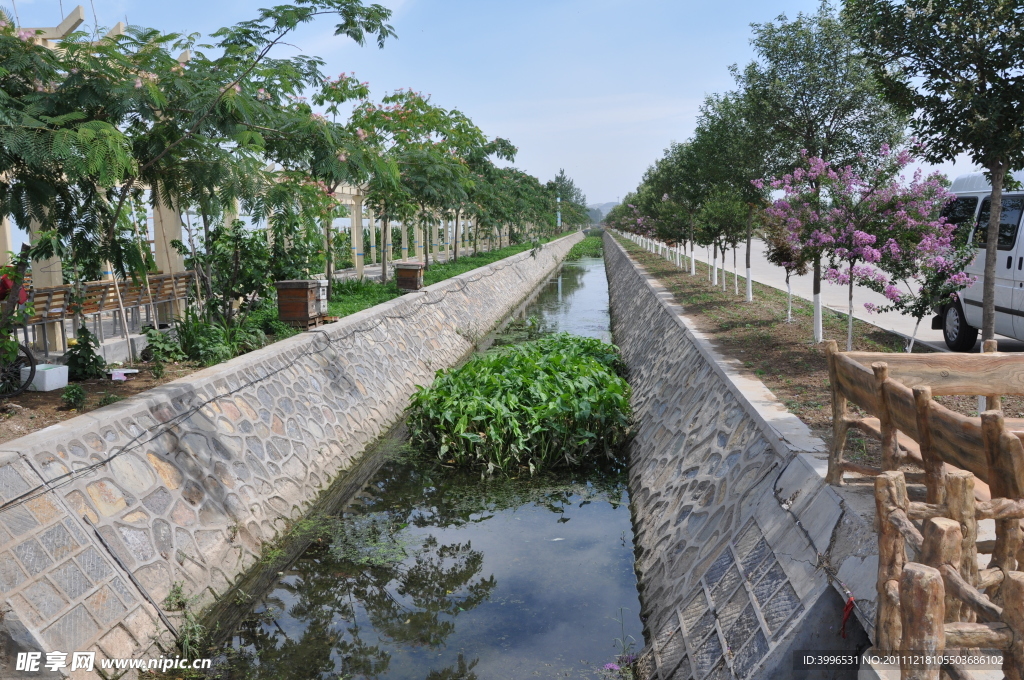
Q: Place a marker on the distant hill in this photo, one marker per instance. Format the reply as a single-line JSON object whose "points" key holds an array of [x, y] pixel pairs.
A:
{"points": [[603, 208]]}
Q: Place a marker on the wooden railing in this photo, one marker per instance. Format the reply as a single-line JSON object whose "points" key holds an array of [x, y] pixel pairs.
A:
{"points": [[942, 603], [52, 306], [973, 470]]}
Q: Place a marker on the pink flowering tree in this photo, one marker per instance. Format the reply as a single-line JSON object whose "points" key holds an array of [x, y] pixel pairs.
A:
{"points": [[877, 229]]}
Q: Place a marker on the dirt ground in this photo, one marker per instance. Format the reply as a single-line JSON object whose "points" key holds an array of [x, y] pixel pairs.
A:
{"points": [[783, 355], [33, 411]]}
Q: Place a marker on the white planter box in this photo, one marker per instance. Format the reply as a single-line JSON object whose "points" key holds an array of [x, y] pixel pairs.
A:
{"points": [[49, 377]]}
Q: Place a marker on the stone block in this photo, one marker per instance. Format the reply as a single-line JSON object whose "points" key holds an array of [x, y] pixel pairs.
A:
{"points": [[104, 605], [781, 608], [45, 598], [71, 631], [747, 658], [11, 573], [119, 644], [58, 542], [70, 579], [32, 556], [819, 517], [95, 566], [707, 656]]}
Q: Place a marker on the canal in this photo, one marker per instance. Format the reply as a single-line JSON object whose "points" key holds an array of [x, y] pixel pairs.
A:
{"points": [[435, 573]]}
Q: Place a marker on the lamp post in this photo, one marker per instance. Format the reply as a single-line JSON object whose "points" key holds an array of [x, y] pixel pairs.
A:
{"points": [[558, 221]]}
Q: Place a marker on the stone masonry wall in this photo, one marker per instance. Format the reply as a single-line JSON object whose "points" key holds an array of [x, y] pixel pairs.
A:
{"points": [[737, 536], [101, 514]]}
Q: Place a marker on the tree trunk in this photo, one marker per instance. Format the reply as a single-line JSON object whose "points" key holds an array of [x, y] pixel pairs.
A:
{"points": [[385, 249], [457, 235], [789, 300], [750, 235], [849, 312], [735, 273], [988, 305], [328, 265], [819, 334], [714, 265]]}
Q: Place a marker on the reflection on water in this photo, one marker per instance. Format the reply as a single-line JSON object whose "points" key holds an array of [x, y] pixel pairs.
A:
{"points": [[575, 300], [437, 574]]}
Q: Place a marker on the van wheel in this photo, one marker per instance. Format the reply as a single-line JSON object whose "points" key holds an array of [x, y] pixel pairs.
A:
{"points": [[959, 336]]}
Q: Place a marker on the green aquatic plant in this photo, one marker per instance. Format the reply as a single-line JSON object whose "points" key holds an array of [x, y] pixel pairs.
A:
{"points": [[591, 246], [370, 539], [538, 405]]}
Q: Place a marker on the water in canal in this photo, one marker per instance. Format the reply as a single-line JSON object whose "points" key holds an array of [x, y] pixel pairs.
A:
{"points": [[434, 573]]}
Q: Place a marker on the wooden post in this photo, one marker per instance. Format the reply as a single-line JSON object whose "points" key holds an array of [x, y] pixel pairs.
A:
{"points": [[960, 505], [943, 544], [890, 494], [840, 424], [1003, 481], [921, 614], [1013, 616], [934, 470], [890, 454], [993, 402]]}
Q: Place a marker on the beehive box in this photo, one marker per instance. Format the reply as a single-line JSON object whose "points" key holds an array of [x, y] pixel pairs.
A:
{"points": [[299, 303], [409, 275]]}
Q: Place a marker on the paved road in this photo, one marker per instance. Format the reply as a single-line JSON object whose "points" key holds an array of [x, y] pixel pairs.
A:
{"points": [[835, 297]]}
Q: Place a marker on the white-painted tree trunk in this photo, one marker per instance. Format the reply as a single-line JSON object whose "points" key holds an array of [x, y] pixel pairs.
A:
{"points": [[910, 345], [849, 318], [735, 274], [750, 287], [789, 300], [819, 334]]}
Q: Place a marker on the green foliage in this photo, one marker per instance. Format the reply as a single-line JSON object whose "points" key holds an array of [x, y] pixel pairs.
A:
{"points": [[211, 342], [370, 540], [73, 397], [349, 297], [190, 631], [591, 246], [109, 398], [546, 403], [82, 360], [161, 347], [265, 318]]}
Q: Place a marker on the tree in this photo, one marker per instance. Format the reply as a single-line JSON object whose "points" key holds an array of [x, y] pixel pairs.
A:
{"points": [[816, 92], [574, 201], [783, 248], [956, 65], [870, 224]]}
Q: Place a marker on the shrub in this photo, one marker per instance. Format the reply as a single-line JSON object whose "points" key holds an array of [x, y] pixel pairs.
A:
{"points": [[541, 404], [161, 347], [591, 246], [213, 342], [109, 398], [265, 317], [73, 397], [82, 360]]}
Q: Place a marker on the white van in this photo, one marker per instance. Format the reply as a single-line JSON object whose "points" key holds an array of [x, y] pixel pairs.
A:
{"points": [[961, 320]]}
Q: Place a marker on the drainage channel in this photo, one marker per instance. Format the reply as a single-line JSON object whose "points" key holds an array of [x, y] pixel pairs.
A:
{"points": [[429, 572]]}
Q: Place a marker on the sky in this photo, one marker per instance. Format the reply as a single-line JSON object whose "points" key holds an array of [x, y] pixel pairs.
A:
{"points": [[597, 87]]}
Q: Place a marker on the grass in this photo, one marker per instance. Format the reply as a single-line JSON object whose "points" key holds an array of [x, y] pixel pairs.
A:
{"points": [[349, 297], [783, 355], [547, 403]]}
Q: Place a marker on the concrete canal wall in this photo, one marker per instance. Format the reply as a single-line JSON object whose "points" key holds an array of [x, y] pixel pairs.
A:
{"points": [[744, 554], [102, 514]]}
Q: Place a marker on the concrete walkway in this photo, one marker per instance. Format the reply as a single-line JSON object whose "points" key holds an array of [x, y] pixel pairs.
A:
{"points": [[835, 297]]}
